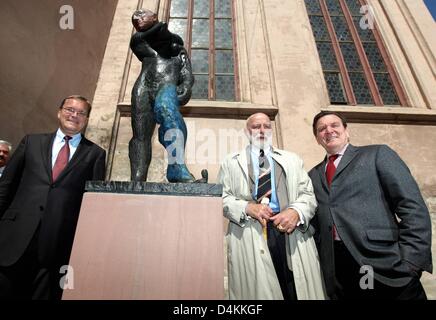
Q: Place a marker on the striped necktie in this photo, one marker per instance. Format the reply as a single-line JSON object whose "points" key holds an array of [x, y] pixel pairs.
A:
{"points": [[264, 182]]}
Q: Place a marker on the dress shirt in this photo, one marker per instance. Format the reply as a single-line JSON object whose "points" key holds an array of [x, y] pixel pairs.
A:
{"points": [[59, 142], [255, 152], [274, 203], [338, 159]]}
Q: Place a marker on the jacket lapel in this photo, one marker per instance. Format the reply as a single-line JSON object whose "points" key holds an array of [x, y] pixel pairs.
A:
{"points": [[348, 156], [249, 165], [321, 171], [81, 152], [244, 161], [280, 180], [279, 173], [46, 153]]}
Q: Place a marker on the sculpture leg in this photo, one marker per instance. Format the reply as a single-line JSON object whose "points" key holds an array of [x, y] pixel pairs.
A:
{"points": [[172, 133], [143, 125]]}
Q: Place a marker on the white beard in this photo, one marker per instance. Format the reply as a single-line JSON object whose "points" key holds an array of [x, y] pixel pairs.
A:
{"points": [[259, 143]]}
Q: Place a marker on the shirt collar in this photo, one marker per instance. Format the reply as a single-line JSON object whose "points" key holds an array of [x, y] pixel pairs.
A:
{"points": [[340, 153], [255, 150], [60, 136]]}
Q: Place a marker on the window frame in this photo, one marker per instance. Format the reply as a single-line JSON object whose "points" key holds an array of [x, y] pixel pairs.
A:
{"points": [[212, 48], [367, 70]]}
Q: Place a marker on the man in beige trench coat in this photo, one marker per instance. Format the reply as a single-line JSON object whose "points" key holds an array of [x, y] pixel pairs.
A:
{"points": [[271, 251]]}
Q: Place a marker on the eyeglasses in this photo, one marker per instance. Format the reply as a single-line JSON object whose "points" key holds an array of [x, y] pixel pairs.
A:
{"points": [[70, 111]]}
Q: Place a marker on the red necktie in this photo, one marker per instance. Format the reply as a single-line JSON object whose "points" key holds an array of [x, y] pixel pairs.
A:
{"points": [[329, 174], [62, 159], [331, 169]]}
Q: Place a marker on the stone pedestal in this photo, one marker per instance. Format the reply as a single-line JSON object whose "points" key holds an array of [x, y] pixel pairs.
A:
{"points": [[148, 241]]}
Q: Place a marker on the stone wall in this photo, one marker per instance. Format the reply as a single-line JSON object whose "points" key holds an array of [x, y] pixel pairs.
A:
{"points": [[41, 63]]}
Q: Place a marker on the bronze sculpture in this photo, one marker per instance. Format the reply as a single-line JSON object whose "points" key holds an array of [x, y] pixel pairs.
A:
{"points": [[163, 85]]}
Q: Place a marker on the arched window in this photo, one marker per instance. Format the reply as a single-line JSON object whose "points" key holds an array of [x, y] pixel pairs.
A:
{"points": [[356, 66], [207, 28]]}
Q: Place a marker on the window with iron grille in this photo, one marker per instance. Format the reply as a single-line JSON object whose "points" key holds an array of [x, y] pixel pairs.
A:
{"points": [[207, 28], [356, 66]]}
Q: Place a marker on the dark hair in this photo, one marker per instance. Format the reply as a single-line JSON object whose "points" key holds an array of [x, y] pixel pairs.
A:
{"points": [[77, 97], [326, 113]]}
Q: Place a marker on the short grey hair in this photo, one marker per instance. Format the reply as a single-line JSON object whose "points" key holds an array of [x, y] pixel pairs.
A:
{"points": [[7, 143]]}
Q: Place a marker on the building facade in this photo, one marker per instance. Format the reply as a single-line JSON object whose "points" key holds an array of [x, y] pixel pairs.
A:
{"points": [[372, 60]]}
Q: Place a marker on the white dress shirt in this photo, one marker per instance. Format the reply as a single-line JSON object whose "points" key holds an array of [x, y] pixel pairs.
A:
{"points": [[59, 142], [338, 159]]}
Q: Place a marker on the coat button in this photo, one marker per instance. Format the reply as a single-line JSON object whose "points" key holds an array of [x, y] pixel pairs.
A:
{"points": [[41, 208], [330, 228], [262, 251]]}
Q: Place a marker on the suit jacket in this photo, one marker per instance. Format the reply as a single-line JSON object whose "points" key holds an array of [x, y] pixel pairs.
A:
{"points": [[30, 200], [379, 214], [250, 267]]}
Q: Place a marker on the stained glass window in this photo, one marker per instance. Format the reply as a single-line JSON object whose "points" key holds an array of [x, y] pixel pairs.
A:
{"points": [[179, 8], [201, 9], [386, 88], [223, 9], [224, 61], [354, 6], [200, 33], [360, 87], [225, 87], [351, 57], [319, 28], [178, 26], [209, 40], [351, 54], [200, 89], [200, 61], [335, 87]]}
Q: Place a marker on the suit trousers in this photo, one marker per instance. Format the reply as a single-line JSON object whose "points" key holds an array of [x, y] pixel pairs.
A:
{"points": [[348, 278], [28, 278], [277, 248]]}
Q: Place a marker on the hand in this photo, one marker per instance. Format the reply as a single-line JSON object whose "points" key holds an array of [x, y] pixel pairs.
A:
{"points": [[286, 221], [260, 212]]}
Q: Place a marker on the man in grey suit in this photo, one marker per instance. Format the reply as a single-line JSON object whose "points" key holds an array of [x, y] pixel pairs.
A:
{"points": [[373, 227]]}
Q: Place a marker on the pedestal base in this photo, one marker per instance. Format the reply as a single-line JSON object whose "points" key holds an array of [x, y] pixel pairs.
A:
{"points": [[148, 246]]}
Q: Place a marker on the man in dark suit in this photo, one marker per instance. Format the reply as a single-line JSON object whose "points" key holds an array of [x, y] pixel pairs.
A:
{"points": [[40, 196], [373, 227]]}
